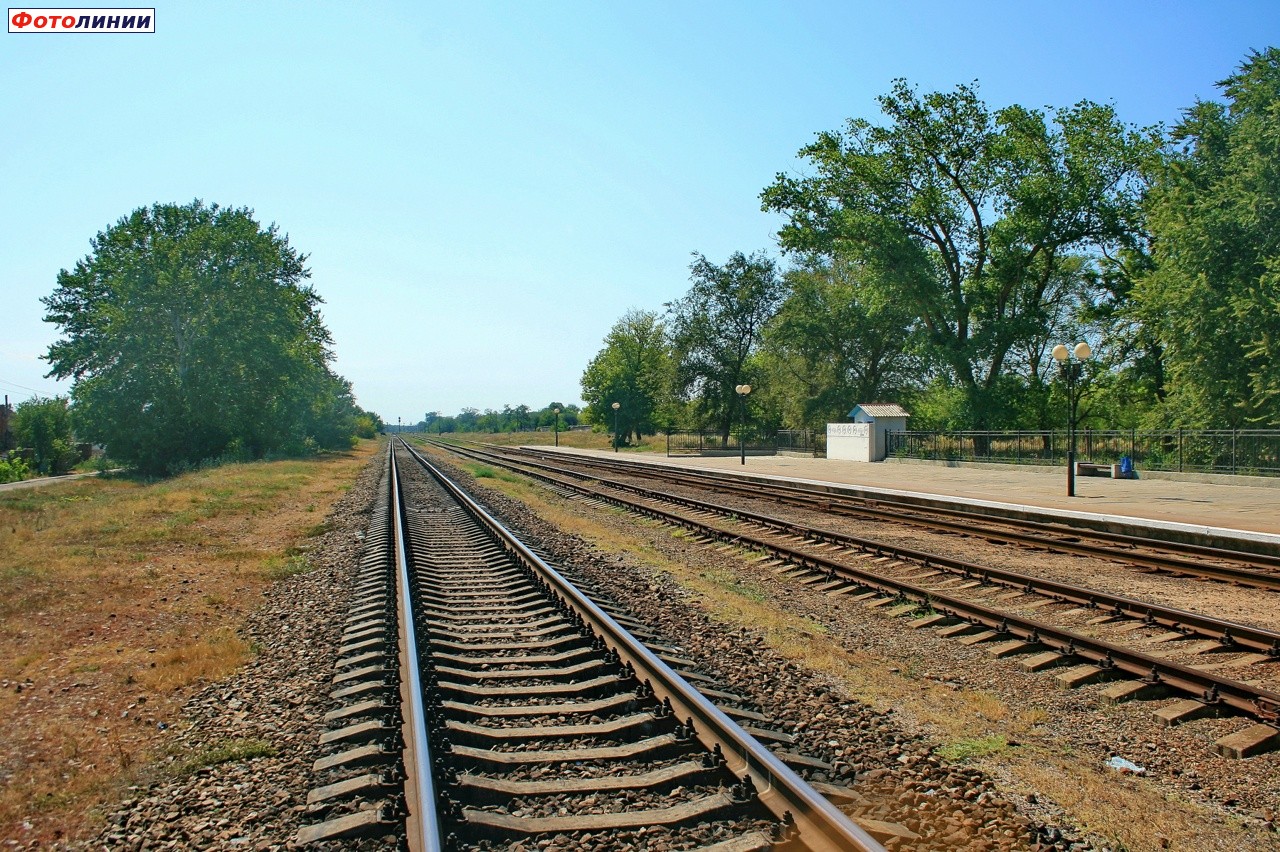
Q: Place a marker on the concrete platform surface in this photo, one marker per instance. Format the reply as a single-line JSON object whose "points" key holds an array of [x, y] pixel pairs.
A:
{"points": [[1195, 505]]}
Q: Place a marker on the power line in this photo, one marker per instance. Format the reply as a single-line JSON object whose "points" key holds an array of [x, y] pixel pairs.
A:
{"points": [[24, 387]]}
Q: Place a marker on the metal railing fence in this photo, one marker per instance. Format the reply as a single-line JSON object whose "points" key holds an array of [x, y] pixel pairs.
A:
{"points": [[713, 443], [806, 441], [1250, 452]]}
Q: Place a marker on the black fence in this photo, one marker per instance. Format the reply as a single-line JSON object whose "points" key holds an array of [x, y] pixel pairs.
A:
{"points": [[1250, 452], [715, 444], [802, 442]]}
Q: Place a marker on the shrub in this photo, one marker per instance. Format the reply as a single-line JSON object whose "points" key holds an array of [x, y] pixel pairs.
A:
{"points": [[13, 470]]}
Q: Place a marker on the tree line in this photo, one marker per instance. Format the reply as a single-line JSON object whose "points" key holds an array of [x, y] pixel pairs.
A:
{"points": [[191, 334], [512, 418], [936, 258]]}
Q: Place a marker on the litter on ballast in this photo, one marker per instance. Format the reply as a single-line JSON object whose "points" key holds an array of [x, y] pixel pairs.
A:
{"points": [[1125, 767]]}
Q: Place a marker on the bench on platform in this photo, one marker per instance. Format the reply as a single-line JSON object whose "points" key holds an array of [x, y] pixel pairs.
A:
{"points": [[1091, 469]]}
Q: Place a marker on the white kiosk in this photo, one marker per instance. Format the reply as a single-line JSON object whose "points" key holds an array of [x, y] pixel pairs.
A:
{"points": [[863, 439]]}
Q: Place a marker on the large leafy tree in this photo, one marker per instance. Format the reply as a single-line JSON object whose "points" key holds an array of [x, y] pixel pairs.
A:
{"points": [[190, 333], [1213, 299], [968, 214], [717, 328], [634, 369], [839, 338]]}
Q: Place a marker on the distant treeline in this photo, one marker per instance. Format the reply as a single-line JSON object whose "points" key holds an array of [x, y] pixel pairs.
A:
{"points": [[519, 418]]}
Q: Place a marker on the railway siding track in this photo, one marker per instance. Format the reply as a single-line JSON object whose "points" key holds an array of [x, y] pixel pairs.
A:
{"points": [[1229, 634], [540, 714], [1256, 569], [1147, 676]]}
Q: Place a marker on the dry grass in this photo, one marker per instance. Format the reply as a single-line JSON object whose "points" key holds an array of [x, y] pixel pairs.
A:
{"points": [[119, 597], [1131, 811], [968, 725], [202, 660]]}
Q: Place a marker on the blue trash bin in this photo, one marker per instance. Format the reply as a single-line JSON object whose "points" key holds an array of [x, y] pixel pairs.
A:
{"points": [[1126, 468]]}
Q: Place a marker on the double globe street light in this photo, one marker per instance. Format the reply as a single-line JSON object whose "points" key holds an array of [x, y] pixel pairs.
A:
{"points": [[742, 391], [1071, 369]]}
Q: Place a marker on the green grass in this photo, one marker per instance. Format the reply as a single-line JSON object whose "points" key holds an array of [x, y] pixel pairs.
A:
{"points": [[225, 751], [484, 471], [965, 750], [40, 499], [730, 583], [275, 568], [316, 529], [13, 573]]}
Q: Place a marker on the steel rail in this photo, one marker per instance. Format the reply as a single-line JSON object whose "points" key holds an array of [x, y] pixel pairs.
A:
{"points": [[819, 824], [1042, 535], [422, 824], [1206, 686], [1230, 633]]}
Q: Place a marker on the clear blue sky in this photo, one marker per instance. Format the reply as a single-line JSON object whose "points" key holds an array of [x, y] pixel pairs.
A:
{"points": [[484, 188]]}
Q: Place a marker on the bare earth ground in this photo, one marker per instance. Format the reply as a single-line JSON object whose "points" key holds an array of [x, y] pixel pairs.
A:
{"points": [[118, 601]]}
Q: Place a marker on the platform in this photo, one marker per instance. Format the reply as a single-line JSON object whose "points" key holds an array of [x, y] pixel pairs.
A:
{"points": [[1200, 510]]}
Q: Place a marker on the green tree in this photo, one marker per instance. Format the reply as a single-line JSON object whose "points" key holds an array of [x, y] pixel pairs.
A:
{"points": [[968, 214], [568, 416], [44, 427], [717, 328], [326, 413], [468, 420], [366, 426], [840, 338], [634, 369], [190, 334], [1213, 299]]}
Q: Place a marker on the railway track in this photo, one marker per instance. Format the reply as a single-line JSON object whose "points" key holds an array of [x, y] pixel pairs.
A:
{"points": [[1234, 635], [837, 564], [1258, 570], [486, 700]]}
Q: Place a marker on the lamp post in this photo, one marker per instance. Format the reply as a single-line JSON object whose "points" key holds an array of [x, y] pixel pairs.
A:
{"points": [[557, 413], [616, 406], [743, 390], [1071, 369]]}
